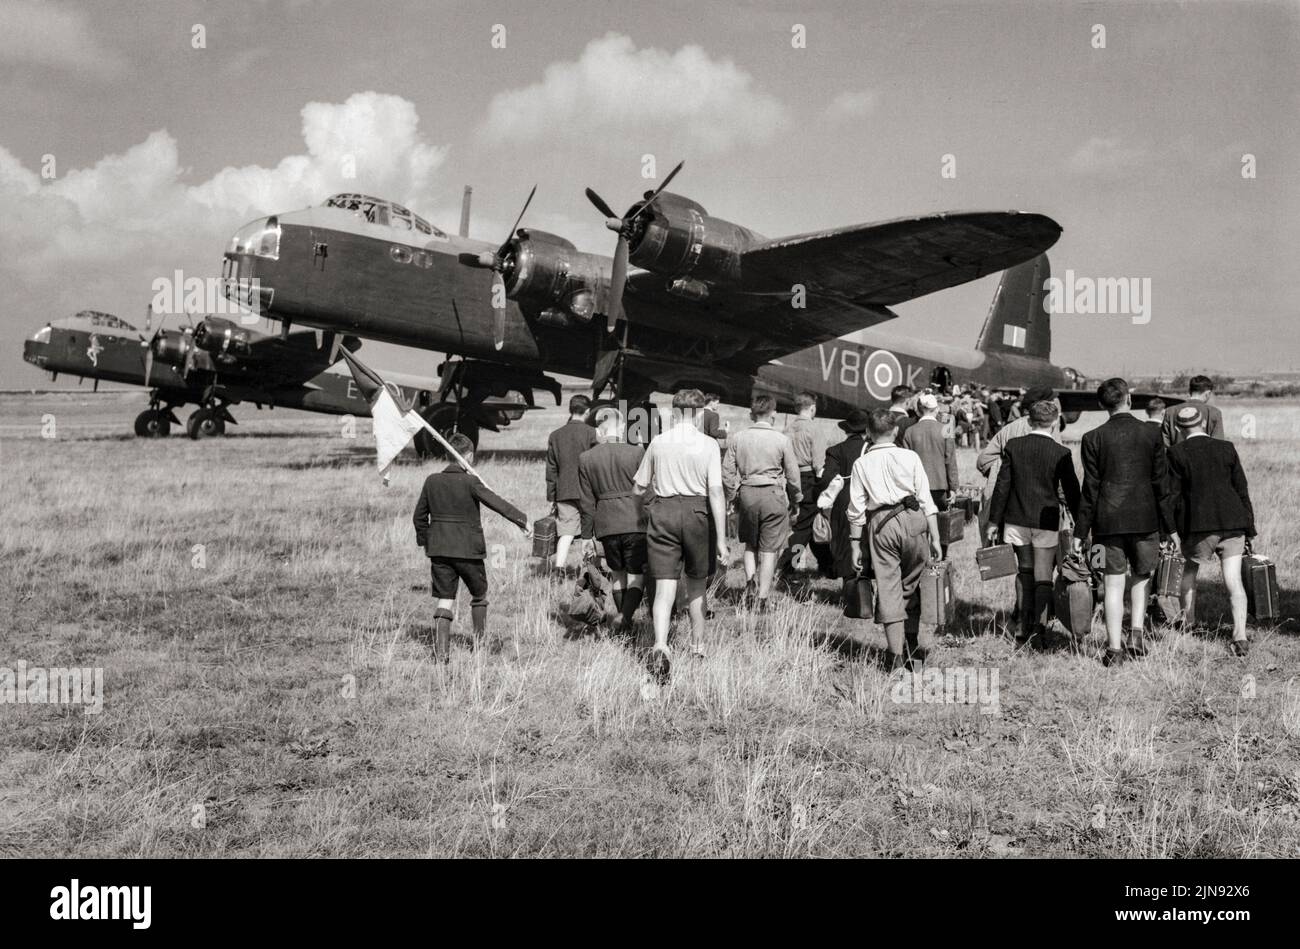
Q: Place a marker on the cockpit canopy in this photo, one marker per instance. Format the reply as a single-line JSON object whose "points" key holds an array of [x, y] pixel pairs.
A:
{"points": [[96, 321], [379, 211]]}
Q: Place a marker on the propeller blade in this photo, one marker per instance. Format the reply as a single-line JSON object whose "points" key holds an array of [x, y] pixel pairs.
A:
{"points": [[617, 280], [502, 249], [148, 365], [600, 204], [336, 341], [651, 200], [498, 313], [606, 363], [148, 319]]}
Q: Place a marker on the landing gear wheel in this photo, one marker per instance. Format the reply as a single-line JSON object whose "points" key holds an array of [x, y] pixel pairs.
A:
{"points": [[152, 423], [205, 423], [443, 418]]}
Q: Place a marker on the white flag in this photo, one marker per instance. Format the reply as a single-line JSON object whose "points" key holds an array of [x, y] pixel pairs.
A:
{"points": [[393, 428]]}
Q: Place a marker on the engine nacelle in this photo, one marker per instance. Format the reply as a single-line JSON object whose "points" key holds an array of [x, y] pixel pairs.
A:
{"points": [[172, 347], [223, 338], [677, 238], [547, 270]]}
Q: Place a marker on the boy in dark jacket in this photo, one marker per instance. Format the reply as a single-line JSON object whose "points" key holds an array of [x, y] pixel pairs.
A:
{"points": [[1026, 513], [448, 527], [1215, 515], [563, 448], [1125, 505], [612, 512]]}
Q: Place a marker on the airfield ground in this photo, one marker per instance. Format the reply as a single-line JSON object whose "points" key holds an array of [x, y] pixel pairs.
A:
{"points": [[279, 698]]}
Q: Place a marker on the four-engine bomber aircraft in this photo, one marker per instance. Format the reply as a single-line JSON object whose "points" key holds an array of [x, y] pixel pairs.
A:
{"points": [[711, 304], [215, 363]]}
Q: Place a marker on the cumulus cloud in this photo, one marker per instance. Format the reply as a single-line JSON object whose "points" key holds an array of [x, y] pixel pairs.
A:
{"points": [[136, 205], [1105, 158], [613, 86], [852, 105], [50, 34], [97, 237]]}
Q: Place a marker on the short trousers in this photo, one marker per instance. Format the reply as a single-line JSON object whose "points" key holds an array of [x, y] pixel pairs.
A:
{"points": [[568, 519], [1039, 537], [625, 552], [447, 572], [1136, 553], [678, 536], [1201, 548], [764, 517]]}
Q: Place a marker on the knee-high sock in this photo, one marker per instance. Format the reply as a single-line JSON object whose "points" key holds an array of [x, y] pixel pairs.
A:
{"points": [[619, 596], [631, 600], [478, 615], [1025, 593], [442, 634], [1042, 601]]}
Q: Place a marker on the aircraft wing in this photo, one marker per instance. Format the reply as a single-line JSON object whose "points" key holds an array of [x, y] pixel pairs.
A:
{"points": [[895, 261], [294, 360], [852, 275], [1085, 400]]}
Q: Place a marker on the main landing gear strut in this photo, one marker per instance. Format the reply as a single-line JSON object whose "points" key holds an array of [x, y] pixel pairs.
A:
{"points": [[209, 420], [157, 420]]}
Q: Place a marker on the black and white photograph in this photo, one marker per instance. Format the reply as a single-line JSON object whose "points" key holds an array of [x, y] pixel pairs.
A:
{"points": [[595, 430]]}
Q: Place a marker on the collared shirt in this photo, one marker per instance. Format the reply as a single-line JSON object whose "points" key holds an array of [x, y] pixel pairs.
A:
{"points": [[882, 477], [809, 443], [682, 462], [759, 456]]}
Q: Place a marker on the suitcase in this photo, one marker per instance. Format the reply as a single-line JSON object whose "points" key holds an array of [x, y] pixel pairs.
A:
{"points": [[1259, 575], [1073, 598], [996, 561], [952, 525], [859, 602], [1169, 574], [968, 505], [938, 599], [545, 537]]}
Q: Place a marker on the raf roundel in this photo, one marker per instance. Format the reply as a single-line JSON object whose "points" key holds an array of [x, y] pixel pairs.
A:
{"points": [[883, 372]]}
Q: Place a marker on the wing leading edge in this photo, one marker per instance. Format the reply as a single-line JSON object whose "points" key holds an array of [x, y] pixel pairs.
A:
{"points": [[851, 276]]}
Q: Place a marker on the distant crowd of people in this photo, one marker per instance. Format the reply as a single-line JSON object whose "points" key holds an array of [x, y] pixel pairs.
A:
{"points": [[865, 510]]}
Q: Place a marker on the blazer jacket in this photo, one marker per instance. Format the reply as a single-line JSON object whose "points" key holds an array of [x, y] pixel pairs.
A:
{"points": [[1034, 468], [1124, 480], [1209, 487], [606, 479], [447, 522]]}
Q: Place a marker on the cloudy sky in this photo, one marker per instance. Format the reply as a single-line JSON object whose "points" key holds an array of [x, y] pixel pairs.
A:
{"points": [[126, 152]]}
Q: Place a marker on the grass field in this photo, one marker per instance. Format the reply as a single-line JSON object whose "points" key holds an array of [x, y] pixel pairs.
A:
{"points": [[262, 617]]}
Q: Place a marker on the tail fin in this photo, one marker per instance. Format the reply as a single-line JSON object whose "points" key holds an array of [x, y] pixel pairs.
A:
{"points": [[1017, 321]]}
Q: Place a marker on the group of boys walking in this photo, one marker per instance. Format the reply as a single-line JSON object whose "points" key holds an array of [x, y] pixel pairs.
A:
{"points": [[1174, 481], [660, 512]]}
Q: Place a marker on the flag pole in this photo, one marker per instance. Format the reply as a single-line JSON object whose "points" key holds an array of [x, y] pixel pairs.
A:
{"points": [[455, 455]]}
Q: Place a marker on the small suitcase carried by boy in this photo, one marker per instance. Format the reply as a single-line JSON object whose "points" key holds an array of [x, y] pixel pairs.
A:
{"points": [[998, 560], [952, 525], [545, 537], [1259, 575], [938, 599], [968, 501], [1169, 573]]}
